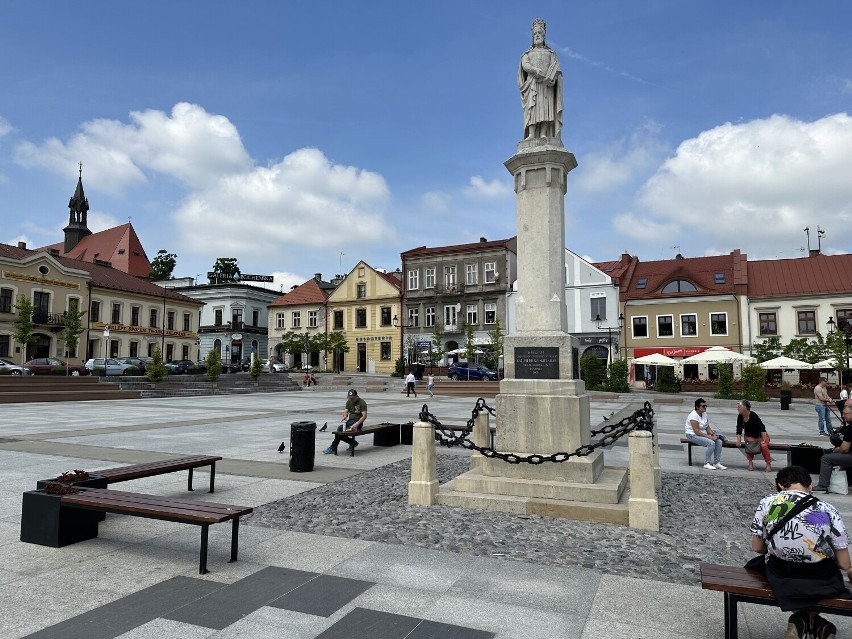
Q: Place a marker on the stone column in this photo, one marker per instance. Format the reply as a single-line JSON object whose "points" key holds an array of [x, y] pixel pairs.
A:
{"points": [[481, 436], [642, 505], [423, 487]]}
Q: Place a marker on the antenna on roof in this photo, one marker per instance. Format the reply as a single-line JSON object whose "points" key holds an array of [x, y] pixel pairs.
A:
{"points": [[820, 235], [807, 231]]}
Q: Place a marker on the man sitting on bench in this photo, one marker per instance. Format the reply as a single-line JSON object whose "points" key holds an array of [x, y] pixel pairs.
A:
{"points": [[354, 416]]}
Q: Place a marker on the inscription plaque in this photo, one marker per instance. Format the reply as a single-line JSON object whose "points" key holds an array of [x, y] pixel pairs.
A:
{"points": [[536, 362]]}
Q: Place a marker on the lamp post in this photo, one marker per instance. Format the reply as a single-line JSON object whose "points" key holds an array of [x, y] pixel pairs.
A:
{"points": [[402, 328], [845, 327], [608, 330]]}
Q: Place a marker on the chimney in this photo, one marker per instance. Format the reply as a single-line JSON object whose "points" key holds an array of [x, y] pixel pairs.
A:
{"points": [[482, 239], [318, 277], [625, 258], [22, 245], [813, 252]]}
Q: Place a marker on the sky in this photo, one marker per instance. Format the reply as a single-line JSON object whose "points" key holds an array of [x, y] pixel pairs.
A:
{"points": [[301, 138]]}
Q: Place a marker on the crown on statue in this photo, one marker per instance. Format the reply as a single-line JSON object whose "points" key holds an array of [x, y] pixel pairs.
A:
{"points": [[539, 26]]}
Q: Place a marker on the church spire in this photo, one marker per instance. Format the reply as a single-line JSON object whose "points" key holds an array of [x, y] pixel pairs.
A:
{"points": [[78, 207]]}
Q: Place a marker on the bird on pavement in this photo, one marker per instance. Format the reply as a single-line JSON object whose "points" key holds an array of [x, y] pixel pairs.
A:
{"points": [[324, 426], [281, 447]]}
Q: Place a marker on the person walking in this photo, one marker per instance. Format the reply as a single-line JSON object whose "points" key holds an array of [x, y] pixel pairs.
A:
{"points": [[699, 431], [430, 385], [409, 385], [821, 402]]}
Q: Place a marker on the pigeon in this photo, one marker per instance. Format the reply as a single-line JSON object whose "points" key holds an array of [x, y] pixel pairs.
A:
{"points": [[605, 418], [281, 447], [324, 426]]}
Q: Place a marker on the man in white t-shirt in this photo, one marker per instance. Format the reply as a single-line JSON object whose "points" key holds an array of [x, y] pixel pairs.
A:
{"points": [[409, 385], [699, 431]]}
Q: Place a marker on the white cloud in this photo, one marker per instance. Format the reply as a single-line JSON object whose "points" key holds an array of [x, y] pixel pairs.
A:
{"points": [[5, 127], [435, 201], [754, 184], [643, 228], [479, 188], [616, 165]]}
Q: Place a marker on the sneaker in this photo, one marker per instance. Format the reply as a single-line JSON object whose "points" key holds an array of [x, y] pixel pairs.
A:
{"points": [[822, 629], [353, 444], [718, 466], [329, 451], [709, 467], [797, 626], [819, 488]]}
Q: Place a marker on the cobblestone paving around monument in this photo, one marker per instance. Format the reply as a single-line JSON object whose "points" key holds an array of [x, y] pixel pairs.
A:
{"points": [[701, 519]]}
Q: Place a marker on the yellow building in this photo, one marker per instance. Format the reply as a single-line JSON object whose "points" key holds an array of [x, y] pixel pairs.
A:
{"points": [[363, 308]]}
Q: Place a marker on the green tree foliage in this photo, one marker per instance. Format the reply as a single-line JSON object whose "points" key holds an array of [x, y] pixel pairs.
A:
{"points": [[770, 348], [292, 342], [437, 344], [469, 346], [726, 382], [667, 381], [227, 266], [256, 368], [495, 349], [214, 364], [23, 327], [593, 371], [617, 380], [399, 368], [836, 347], [798, 349], [156, 370], [163, 265], [72, 330], [754, 382]]}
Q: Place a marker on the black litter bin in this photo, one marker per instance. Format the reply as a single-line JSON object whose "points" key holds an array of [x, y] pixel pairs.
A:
{"points": [[303, 436], [786, 399]]}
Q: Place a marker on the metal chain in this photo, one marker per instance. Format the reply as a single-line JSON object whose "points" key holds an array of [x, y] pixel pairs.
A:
{"points": [[642, 419]]}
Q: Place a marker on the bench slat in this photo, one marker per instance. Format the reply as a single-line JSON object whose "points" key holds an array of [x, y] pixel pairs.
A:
{"points": [[730, 444], [137, 471]]}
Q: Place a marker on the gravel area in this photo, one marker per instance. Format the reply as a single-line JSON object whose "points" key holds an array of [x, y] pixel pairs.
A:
{"points": [[702, 518]]}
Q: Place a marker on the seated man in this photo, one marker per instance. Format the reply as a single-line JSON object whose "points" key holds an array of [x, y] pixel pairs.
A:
{"points": [[354, 416], [699, 431], [838, 456]]}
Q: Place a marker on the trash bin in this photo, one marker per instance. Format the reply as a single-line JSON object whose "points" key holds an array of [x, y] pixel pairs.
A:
{"points": [[418, 369], [303, 436], [786, 399]]}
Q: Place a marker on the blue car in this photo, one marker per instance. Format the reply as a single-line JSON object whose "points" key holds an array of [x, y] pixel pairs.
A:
{"points": [[476, 373]]}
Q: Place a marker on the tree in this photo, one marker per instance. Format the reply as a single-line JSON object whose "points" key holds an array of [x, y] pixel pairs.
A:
{"points": [[23, 325], [469, 346], [437, 344], [593, 371], [227, 267], [617, 379], [71, 333], [214, 364], [156, 370], [726, 382], [292, 342], [769, 348], [162, 266], [667, 381], [256, 368], [754, 381], [495, 339], [798, 349], [336, 343]]}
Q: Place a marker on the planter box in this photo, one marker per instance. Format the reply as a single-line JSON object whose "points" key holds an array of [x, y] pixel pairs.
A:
{"points": [[94, 481], [45, 521]]}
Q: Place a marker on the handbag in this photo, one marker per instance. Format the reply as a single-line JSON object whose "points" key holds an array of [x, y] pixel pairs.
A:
{"points": [[752, 446], [838, 483], [758, 563]]}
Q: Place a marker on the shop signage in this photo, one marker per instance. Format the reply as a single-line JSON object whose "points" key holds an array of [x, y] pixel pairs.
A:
{"points": [[238, 277], [594, 340], [672, 351]]}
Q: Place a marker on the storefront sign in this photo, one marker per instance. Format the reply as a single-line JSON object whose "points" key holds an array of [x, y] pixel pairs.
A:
{"points": [[594, 340], [238, 277], [539, 362], [674, 351], [142, 330], [380, 338]]}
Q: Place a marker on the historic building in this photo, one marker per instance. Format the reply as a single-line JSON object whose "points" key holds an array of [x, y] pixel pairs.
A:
{"points": [[451, 287], [363, 308], [304, 310]]}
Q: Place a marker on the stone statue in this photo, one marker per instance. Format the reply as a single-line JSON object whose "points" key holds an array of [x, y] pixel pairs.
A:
{"points": [[540, 81]]}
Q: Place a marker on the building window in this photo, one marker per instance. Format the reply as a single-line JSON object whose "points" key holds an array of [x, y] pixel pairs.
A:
{"points": [[768, 323], [718, 323], [413, 280], [450, 277], [450, 318], [113, 348], [170, 352], [297, 320], [134, 316], [361, 318], [338, 320], [151, 347], [414, 317], [255, 317], [471, 274], [362, 291], [5, 300], [688, 325], [217, 317], [640, 327], [116, 314], [679, 286], [844, 317], [490, 272], [184, 350], [279, 320], [236, 316], [134, 349], [187, 319], [598, 308], [41, 307], [807, 322], [430, 277], [386, 315], [472, 316], [642, 283], [386, 351], [718, 278], [73, 305], [490, 313], [95, 311], [170, 320], [152, 319], [665, 326], [313, 319], [4, 345], [430, 316]]}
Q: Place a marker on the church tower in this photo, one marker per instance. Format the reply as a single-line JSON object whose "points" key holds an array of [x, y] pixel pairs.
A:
{"points": [[78, 208]]}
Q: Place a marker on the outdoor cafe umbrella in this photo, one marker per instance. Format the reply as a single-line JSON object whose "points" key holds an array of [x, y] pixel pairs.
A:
{"points": [[656, 359], [717, 355], [826, 364], [784, 362]]}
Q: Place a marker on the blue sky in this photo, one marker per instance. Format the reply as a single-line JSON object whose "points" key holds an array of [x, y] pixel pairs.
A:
{"points": [[286, 134]]}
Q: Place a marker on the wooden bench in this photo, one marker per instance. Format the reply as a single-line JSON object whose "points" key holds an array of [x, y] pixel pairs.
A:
{"points": [[741, 585], [166, 508], [150, 469], [787, 448], [384, 434]]}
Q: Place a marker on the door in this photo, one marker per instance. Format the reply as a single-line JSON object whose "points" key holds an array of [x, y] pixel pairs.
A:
{"points": [[41, 307], [40, 347], [362, 357]]}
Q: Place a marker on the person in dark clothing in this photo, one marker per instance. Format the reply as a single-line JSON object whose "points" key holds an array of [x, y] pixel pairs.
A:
{"points": [[354, 416], [838, 456], [751, 428]]}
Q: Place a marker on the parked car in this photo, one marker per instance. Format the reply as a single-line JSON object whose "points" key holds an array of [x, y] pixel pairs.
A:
{"points": [[141, 363], [276, 367], [46, 365], [465, 372], [245, 364], [8, 368], [113, 367], [181, 367]]}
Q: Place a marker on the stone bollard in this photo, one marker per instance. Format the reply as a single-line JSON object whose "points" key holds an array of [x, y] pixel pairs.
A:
{"points": [[481, 436], [655, 449], [423, 487], [643, 508]]}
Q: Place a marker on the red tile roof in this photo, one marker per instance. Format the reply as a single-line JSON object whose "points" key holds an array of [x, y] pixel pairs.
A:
{"points": [[424, 251], [820, 274], [120, 246], [308, 293], [700, 271]]}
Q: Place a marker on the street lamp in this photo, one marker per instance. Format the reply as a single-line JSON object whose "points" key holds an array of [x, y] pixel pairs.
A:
{"points": [[845, 327], [402, 328], [608, 330]]}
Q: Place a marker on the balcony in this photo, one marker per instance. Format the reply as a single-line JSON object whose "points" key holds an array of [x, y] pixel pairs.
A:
{"points": [[449, 289], [452, 328], [48, 319]]}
